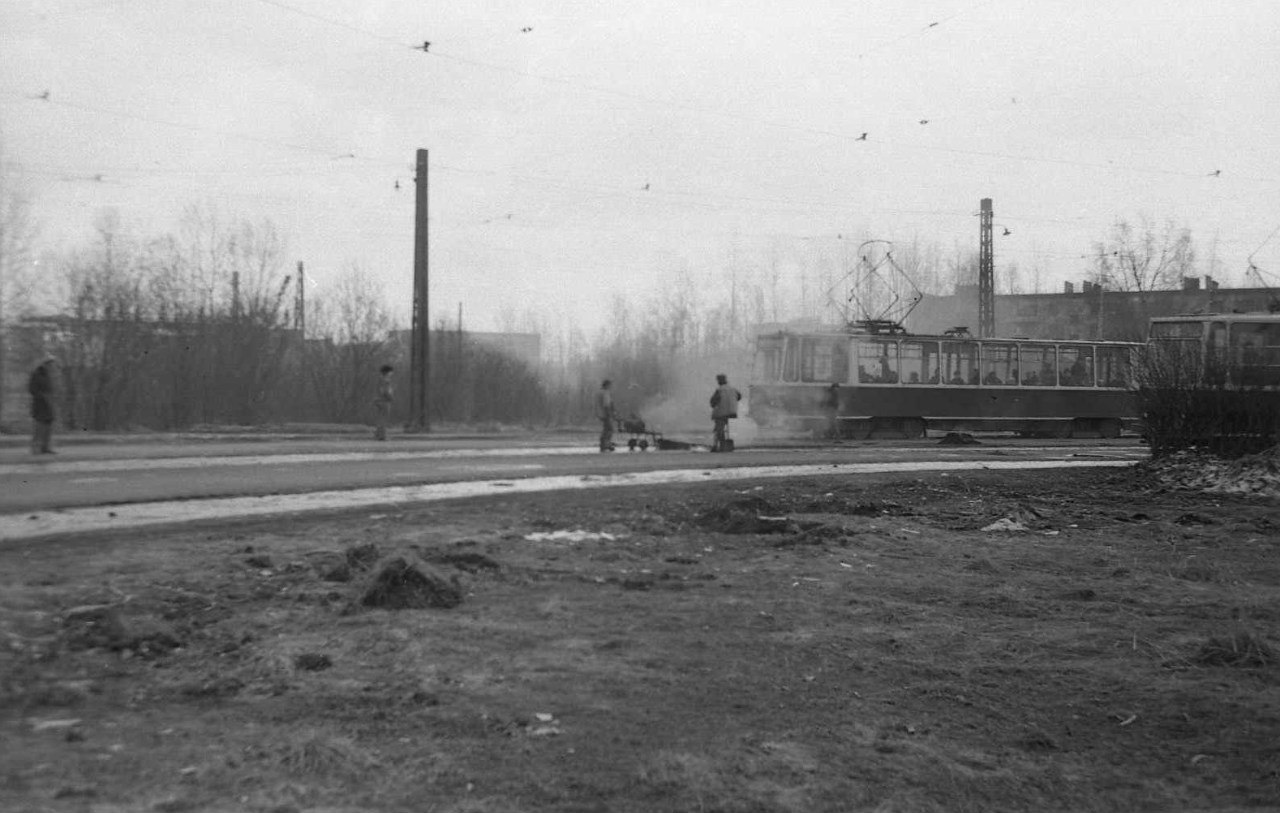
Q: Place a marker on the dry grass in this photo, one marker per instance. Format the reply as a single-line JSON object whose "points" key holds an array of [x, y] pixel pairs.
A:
{"points": [[1240, 648], [907, 662], [316, 754]]}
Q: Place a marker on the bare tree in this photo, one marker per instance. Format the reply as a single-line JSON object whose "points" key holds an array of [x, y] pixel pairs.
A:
{"points": [[1009, 279], [103, 341], [1143, 258], [353, 326], [17, 242]]}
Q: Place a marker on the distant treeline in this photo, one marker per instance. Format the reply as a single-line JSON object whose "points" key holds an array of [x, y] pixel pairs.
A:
{"points": [[200, 326]]}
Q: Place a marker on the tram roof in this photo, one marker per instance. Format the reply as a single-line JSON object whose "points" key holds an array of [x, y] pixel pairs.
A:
{"points": [[1257, 316], [840, 333]]}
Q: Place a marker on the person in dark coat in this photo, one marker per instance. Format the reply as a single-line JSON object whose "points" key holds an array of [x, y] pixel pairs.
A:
{"points": [[724, 405], [382, 401], [606, 414], [40, 385], [831, 408]]}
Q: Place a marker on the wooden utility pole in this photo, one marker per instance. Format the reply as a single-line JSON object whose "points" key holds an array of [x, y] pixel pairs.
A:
{"points": [[420, 338], [986, 274]]}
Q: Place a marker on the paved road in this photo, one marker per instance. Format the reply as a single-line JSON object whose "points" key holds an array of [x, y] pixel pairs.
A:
{"points": [[109, 474]]}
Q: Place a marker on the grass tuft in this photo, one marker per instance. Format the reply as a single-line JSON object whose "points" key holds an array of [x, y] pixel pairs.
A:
{"points": [[1241, 648]]}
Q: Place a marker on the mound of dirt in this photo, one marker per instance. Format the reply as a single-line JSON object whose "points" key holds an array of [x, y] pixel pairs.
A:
{"points": [[400, 584], [363, 557], [750, 515], [342, 566], [106, 626], [1255, 474]]}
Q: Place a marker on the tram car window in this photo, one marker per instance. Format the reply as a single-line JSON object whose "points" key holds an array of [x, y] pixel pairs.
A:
{"points": [[769, 357], [1177, 331], [919, 362], [1255, 350], [1038, 365], [878, 362], [840, 361], [1075, 366], [960, 363], [1215, 347], [824, 358], [999, 365], [1114, 367], [791, 362]]}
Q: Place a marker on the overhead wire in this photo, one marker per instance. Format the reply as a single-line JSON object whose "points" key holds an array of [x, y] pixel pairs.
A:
{"points": [[684, 198], [743, 117], [601, 89]]}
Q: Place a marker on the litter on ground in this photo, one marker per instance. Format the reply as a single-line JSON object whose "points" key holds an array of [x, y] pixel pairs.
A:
{"points": [[1005, 524]]}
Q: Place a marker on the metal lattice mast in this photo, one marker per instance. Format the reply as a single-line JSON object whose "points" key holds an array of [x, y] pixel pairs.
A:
{"points": [[986, 274]]}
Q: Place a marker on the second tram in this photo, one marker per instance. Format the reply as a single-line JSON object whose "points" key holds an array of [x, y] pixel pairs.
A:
{"points": [[888, 383]]}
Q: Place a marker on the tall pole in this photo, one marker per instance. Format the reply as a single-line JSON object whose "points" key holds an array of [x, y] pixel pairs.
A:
{"points": [[986, 274], [300, 315], [420, 339]]}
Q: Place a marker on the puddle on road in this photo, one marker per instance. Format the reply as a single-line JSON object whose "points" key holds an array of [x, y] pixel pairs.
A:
{"points": [[82, 520]]}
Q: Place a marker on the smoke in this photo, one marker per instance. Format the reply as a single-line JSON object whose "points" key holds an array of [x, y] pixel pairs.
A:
{"points": [[684, 411]]}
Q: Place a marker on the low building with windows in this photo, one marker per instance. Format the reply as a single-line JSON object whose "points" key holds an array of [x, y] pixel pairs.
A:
{"points": [[1090, 311]]}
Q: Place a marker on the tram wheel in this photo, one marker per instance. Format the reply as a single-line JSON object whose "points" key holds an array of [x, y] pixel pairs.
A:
{"points": [[1109, 428], [631, 444], [644, 444]]}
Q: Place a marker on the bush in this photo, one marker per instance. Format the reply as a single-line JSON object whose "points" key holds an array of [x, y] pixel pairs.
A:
{"points": [[1188, 402]]}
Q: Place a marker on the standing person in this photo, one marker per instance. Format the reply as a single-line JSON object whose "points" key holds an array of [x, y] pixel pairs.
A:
{"points": [[382, 403], [724, 405], [40, 385], [606, 414], [831, 408]]}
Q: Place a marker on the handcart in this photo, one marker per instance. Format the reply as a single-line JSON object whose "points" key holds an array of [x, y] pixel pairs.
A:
{"points": [[641, 435]]}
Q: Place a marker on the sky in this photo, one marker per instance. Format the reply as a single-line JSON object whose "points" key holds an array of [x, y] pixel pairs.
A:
{"points": [[585, 151]]}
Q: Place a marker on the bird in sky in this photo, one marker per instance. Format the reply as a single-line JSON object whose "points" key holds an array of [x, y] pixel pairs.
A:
{"points": [[862, 137], [931, 25], [924, 121], [397, 183], [645, 187], [1215, 173], [344, 155], [44, 97], [526, 29], [424, 47], [1006, 232]]}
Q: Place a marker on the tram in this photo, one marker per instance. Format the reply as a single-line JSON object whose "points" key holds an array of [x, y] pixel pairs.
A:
{"points": [[888, 383], [1231, 350]]}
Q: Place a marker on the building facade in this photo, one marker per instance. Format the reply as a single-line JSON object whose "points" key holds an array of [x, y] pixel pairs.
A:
{"points": [[1090, 311]]}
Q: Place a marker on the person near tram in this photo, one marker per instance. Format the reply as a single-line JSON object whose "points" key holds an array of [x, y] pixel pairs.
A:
{"points": [[724, 405], [40, 387], [606, 414], [831, 408], [382, 402]]}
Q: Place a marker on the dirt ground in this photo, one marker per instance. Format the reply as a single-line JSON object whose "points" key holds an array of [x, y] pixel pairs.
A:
{"points": [[1056, 640]]}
